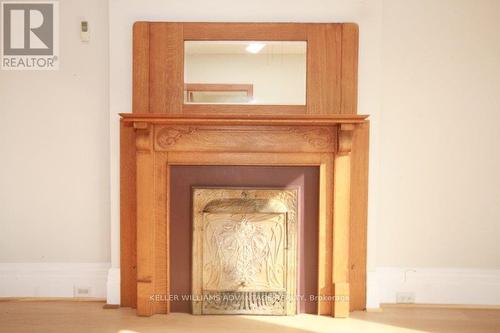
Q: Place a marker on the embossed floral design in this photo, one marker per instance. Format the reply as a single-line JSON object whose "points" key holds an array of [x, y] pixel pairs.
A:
{"points": [[244, 247]]}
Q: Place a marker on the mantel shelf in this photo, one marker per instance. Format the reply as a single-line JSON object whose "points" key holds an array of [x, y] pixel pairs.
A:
{"points": [[243, 119]]}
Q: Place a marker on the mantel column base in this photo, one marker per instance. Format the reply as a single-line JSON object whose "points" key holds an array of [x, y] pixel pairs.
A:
{"points": [[340, 302]]}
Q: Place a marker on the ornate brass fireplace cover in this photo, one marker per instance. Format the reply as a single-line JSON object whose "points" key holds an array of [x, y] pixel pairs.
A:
{"points": [[244, 251]]}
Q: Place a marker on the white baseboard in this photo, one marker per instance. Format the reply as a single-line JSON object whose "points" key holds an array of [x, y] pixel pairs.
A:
{"points": [[429, 285], [372, 297], [52, 279], [113, 286], [434, 286]]}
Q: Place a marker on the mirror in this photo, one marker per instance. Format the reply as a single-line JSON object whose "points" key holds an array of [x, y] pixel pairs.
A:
{"points": [[245, 72]]}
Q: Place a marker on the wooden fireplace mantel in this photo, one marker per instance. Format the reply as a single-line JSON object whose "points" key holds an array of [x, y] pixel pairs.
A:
{"points": [[165, 140], [162, 131]]}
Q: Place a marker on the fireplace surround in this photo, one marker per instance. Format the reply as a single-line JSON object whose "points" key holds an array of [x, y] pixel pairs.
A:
{"points": [[163, 133]]}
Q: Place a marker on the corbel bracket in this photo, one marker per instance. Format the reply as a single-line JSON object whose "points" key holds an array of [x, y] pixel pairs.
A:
{"points": [[143, 138], [345, 133]]}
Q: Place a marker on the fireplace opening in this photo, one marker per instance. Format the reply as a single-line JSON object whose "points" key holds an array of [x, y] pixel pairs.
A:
{"points": [[303, 179]]}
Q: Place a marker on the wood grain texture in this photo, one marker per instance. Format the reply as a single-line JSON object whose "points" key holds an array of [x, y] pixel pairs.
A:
{"points": [[349, 81], [323, 68], [341, 221], [244, 158], [325, 235], [359, 217], [161, 278], [246, 31], [166, 67], [146, 233], [128, 213], [140, 68], [342, 300]]}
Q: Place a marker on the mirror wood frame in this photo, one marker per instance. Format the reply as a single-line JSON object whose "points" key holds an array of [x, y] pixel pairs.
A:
{"points": [[332, 58], [331, 88]]}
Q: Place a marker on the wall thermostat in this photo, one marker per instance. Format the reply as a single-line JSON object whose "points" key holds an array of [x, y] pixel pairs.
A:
{"points": [[84, 31]]}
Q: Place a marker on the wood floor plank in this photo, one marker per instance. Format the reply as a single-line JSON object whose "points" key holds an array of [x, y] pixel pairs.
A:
{"points": [[90, 317]]}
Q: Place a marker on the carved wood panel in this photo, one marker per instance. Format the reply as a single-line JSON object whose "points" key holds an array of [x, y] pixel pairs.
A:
{"points": [[245, 138]]}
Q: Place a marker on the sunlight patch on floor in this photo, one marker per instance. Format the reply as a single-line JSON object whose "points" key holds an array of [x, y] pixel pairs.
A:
{"points": [[320, 324]]}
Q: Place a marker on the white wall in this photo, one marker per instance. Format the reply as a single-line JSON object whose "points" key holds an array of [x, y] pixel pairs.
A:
{"points": [[439, 191], [54, 144], [440, 156]]}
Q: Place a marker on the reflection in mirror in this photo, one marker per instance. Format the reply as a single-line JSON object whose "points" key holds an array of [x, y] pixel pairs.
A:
{"points": [[243, 72]]}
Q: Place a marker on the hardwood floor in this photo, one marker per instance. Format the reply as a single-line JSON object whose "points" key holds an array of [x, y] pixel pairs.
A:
{"points": [[89, 317]]}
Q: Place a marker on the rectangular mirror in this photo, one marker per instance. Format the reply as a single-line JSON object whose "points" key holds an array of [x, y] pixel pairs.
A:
{"points": [[245, 72]]}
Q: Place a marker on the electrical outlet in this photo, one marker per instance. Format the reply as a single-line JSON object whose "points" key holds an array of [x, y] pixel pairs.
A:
{"points": [[82, 291], [405, 297]]}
